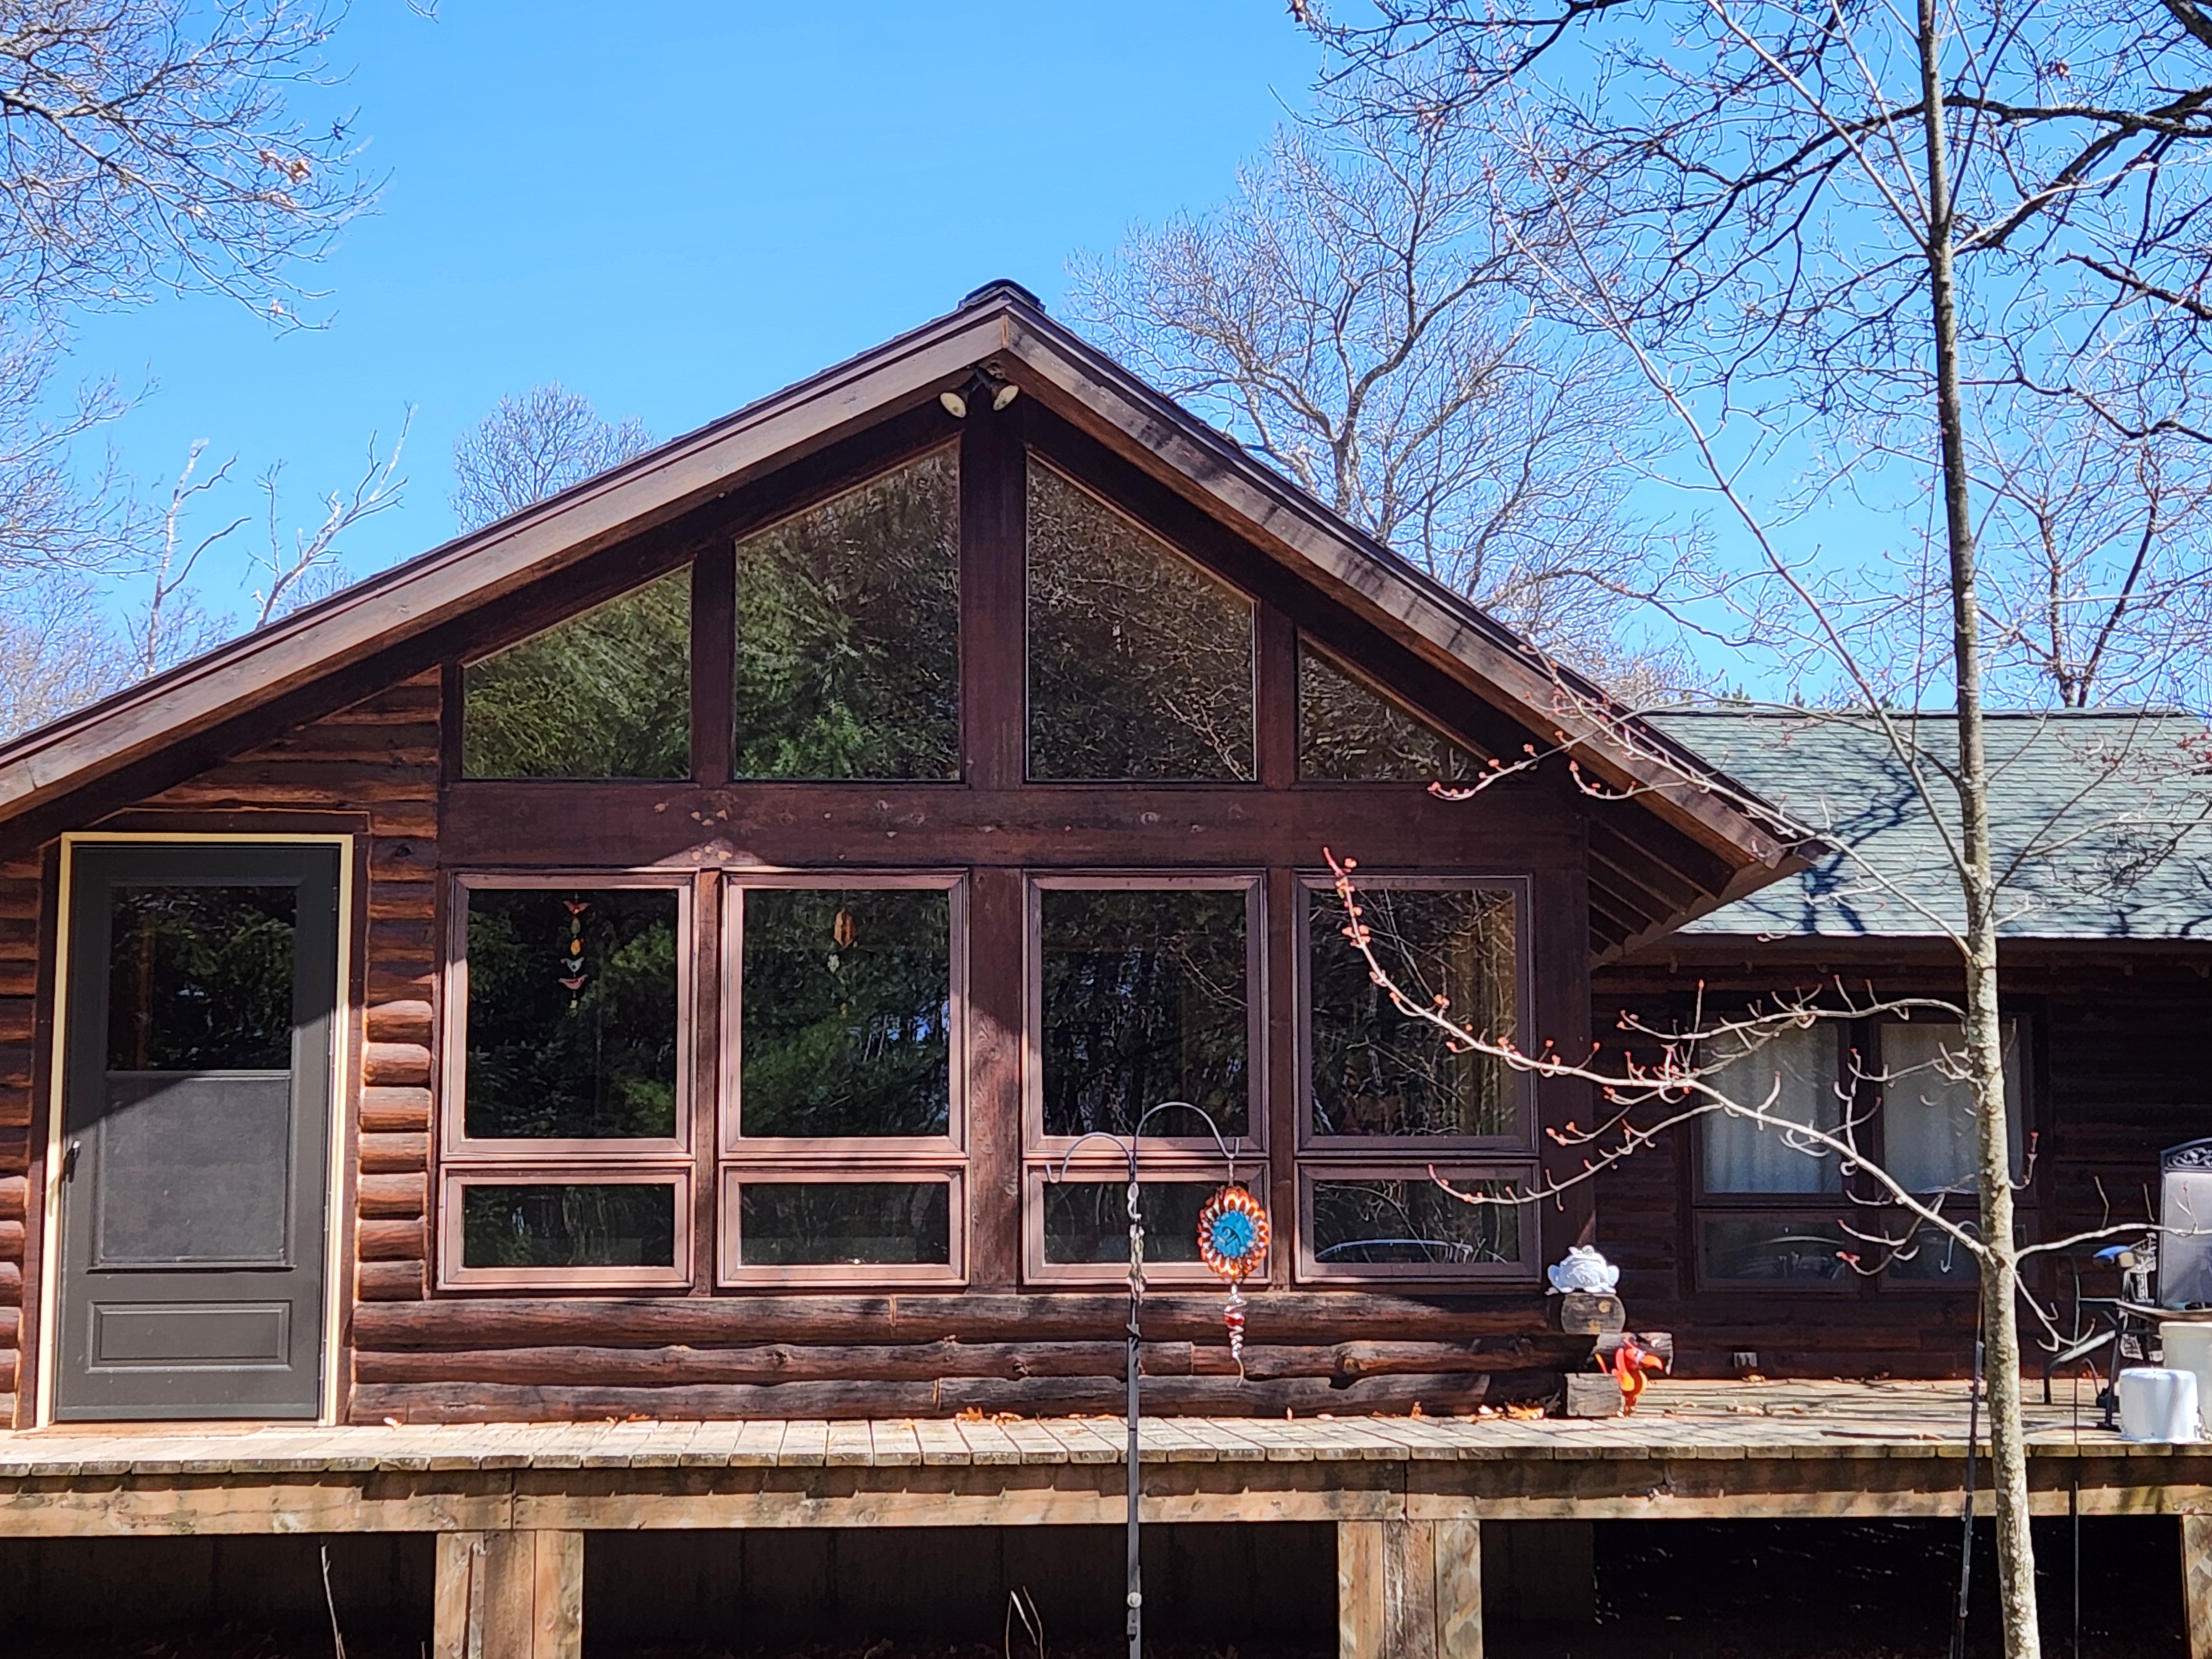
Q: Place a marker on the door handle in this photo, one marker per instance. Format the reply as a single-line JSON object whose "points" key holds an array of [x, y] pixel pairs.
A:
{"points": [[69, 1160]]}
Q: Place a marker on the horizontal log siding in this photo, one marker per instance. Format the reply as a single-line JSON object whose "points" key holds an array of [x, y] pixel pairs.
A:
{"points": [[2123, 1077], [21, 899]]}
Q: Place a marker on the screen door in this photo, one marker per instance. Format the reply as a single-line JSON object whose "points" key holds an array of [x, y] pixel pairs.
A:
{"points": [[195, 1130]]}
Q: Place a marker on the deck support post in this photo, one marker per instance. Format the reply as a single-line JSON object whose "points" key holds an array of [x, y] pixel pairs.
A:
{"points": [[2197, 1583], [510, 1595], [1409, 1589]]}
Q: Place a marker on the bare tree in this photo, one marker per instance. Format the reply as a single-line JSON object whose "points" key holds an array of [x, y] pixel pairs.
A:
{"points": [[306, 566], [152, 145], [532, 447], [1358, 315], [1824, 226], [58, 651]]}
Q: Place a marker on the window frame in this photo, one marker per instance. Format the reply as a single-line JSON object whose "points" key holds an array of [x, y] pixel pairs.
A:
{"points": [[1850, 1282], [1037, 1181], [1032, 457], [1312, 1271], [454, 1275], [1867, 1130], [1304, 642], [456, 1146], [731, 1145], [1520, 1145], [732, 1274], [1252, 1141]]}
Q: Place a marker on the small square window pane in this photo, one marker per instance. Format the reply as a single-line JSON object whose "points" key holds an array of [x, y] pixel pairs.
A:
{"points": [[1930, 1142], [1797, 1069], [604, 695], [848, 634], [1347, 732], [1410, 1220], [627, 1223], [1773, 1251], [1088, 1221], [1144, 1001], [846, 1004], [1140, 664], [571, 1014], [1376, 1071], [199, 978], [817, 1223]]}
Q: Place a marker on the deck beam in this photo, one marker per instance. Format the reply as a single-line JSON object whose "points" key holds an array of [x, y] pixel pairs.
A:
{"points": [[508, 1595]]}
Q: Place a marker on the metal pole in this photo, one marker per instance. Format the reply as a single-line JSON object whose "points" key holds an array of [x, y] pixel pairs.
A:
{"points": [[1967, 1545], [1136, 1294]]}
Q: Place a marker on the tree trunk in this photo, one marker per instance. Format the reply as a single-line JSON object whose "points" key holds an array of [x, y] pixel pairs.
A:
{"points": [[1984, 1033]]}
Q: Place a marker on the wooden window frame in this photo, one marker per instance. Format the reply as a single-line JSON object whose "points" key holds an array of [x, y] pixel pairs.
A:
{"points": [[1097, 1152], [1965, 1205], [732, 1274], [1311, 1271], [1705, 1200], [1848, 1283], [1034, 455], [454, 1276], [1477, 1148], [732, 1144], [459, 1149], [1303, 642], [1037, 1182]]}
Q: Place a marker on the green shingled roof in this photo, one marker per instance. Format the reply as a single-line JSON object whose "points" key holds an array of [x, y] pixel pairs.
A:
{"points": [[2105, 818]]}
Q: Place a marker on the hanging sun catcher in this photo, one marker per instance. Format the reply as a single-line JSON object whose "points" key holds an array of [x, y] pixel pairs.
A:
{"points": [[1232, 1241], [572, 965]]}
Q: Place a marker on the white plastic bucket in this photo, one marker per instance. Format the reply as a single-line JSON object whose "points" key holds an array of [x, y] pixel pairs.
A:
{"points": [[2157, 1403], [2188, 1345]]}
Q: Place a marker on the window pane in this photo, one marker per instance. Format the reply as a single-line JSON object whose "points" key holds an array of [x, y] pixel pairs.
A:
{"points": [[1798, 1069], [1374, 1071], [199, 979], [1412, 1219], [606, 694], [1929, 1141], [848, 634], [793, 1223], [1143, 1002], [1346, 731], [1140, 664], [1089, 1220], [1770, 1250], [846, 1003], [616, 1225], [572, 1013]]}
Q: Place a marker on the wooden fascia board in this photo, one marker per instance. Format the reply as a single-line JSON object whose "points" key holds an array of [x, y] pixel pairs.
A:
{"points": [[1215, 478], [432, 589]]}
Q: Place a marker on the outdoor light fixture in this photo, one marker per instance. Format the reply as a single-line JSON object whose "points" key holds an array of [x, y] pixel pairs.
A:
{"points": [[981, 383], [1004, 395], [955, 404]]}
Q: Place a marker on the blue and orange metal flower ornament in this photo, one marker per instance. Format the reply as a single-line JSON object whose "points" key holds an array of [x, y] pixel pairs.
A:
{"points": [[1232, 1241]]}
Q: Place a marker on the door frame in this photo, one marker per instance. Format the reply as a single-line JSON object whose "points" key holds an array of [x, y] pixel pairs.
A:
{"points": [[336, 1287]]}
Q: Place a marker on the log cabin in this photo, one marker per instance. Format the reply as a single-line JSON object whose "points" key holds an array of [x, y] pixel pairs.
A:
{"points": [[622, 1023]]}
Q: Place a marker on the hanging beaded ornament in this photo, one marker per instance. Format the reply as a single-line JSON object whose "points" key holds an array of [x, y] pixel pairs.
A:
{"points": [[572, 965], [1232, 1241]]}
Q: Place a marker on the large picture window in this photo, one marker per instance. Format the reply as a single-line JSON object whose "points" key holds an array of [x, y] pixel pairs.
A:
{"points": [[842, 1110], [567, 1121]]}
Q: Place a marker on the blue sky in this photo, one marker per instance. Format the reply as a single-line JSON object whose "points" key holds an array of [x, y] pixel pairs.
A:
{"points": [[674, 208]]}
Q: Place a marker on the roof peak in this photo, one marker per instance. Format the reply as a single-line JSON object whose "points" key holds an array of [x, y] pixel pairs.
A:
{"points": [[995, 288]]}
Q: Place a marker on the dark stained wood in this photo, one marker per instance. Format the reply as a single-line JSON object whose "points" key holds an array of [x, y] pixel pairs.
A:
{"points": [[997, 913], [460, 1402], [609, 1322], [1276, 698], [993, 543], [861, 826], [713, 664]]}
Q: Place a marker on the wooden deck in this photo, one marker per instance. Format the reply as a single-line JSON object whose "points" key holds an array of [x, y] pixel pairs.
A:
{"points": [[1693, 1450]]}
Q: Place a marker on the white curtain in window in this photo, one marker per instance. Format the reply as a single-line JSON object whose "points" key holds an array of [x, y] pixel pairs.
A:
{"points": [[1798, 1068], [1928, 1134]]}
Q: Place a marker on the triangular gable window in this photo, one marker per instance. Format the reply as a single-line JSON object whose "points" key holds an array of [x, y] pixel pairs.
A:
{"points": [[1140, 663], [848, 634], [1349, 733], [604, 695]]}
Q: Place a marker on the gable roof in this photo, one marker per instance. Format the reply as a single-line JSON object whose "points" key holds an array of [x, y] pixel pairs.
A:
{"points": [[1004, 325], [2102, 818]]}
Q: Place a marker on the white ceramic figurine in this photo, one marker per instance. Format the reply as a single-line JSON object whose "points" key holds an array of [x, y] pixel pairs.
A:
{"points": [[1584, 1269]]}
